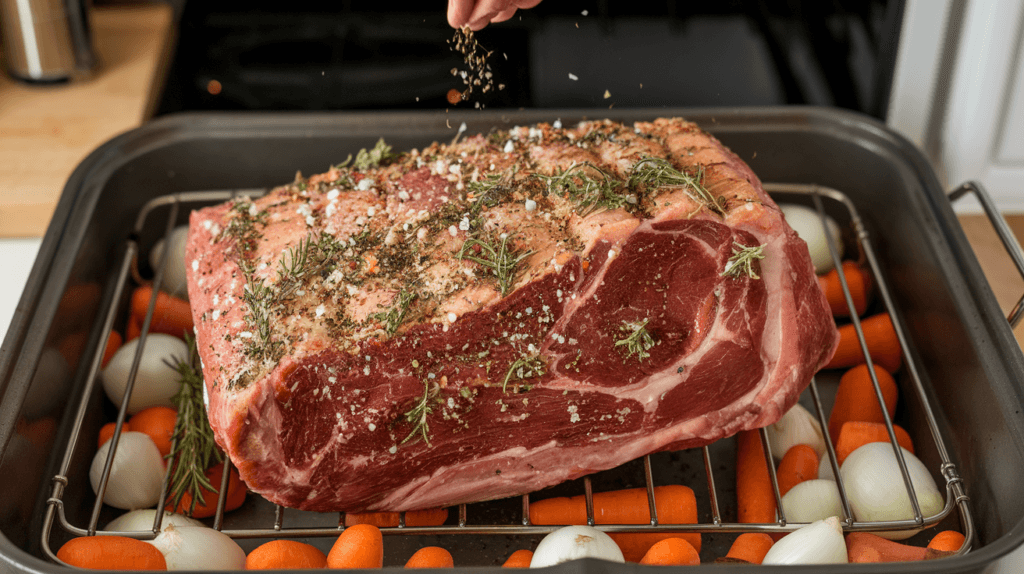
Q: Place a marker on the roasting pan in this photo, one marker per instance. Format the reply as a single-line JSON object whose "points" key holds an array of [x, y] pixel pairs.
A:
{"points": [[960, 351]]}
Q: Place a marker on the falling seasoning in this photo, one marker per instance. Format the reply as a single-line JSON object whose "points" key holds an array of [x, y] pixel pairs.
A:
{"points": [[478, 75], [607, 94]]}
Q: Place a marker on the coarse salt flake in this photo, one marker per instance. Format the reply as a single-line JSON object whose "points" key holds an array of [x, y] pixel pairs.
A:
{"points": [[509, 148], [403, 195], [393, 449], [558, 124], [464, 224], [333, 194], [454, 231], [531, 205], [364, 184], [195, 265], [452, 317], [573, 77], [320, 310], [372, 427]]}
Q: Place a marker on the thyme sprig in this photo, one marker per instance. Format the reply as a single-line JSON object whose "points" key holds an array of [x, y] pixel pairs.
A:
{"points": [[589, 187], [500, 258], [654, 172], [524, 368], [393, 317], [194, 448], [637, 340], [365, 159], [742, 260], [490, 191], [417, 415]]}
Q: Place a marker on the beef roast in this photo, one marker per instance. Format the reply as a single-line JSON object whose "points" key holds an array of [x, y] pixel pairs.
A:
{"points": [[487, 318]]}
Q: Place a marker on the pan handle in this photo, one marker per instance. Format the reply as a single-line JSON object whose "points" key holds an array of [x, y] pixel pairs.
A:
{"points": [[1002, 230]]}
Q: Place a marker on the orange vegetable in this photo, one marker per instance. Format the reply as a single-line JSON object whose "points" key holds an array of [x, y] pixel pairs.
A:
{"points": [[519, 559], [862, 547], [947, 541], [158, 423], [755, 499], [359, 546], [429, 517], [800, 463], [671, 552], [285, 555], [750, 547], [208, 505], [880, 336], [113, 344], [171, 316], [72, 345], [856, 434], [860, 283], [431, 557], [107, 431], [676, 504], [856, 399], [111, 553]]}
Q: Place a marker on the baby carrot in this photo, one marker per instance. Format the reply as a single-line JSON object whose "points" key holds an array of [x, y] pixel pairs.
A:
{"points": [[859, 281], [107, 431], [208, 505], [157, 422], [285, 555], [862, 547], [755, 499], [750, 547], [856, 399], [111, 553], [947, 541], [519, 559], [671, 552], [429, 517], [676, 504], [800, 463], [113, 344], [359, 546], [431, 557], [880, 336], [856, 434], [171, 315]]}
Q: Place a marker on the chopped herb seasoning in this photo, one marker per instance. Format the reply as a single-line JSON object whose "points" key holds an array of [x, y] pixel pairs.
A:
{"points": [[589, 187], [392, 318], [637, 340], [654, 172], [742, 260], [524, 368], [499, 257]]}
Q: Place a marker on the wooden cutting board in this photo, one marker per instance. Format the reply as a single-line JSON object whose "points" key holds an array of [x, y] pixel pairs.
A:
{"points": [[46, 131]]}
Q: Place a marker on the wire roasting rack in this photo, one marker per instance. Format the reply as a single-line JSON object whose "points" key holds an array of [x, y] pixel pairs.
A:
{"points": [[816, 196]]}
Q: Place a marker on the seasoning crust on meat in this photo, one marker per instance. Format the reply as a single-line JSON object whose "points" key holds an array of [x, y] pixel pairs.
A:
{"points": [[482, 319]]}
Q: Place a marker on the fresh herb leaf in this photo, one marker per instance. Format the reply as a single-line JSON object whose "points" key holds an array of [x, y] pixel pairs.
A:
{"points": [[653, 172], [742, 260], [637, 340], [392, 318], [194, 447], [380, 153], [501, 258], [313, 254], [524, 368], [417, 415], [589, 187]]}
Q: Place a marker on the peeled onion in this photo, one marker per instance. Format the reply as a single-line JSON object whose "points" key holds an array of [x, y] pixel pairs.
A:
{"points": [[198, 548], [812, 500], [825, 469], [136, 474], [807, 224], [142, 520], [155, 382], [797, 426], [572, 542], [820, 542], [876, 491], [174, 281]]}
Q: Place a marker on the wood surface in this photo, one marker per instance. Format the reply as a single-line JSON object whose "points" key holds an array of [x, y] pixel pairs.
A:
{"points": [[46, 131], [999, 269]]}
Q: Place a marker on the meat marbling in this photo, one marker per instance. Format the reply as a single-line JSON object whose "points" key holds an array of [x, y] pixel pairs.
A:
{"points": [[359, 353]]}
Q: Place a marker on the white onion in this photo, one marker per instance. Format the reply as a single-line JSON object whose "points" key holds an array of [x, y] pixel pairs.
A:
{"points": [[142, 520], [156, 382], [825, 469], [807, 224], [876, 491], [136, 473], [812, 500], [174, 281], [820, 542], [572, 542], [797, 426], [198, 548]]}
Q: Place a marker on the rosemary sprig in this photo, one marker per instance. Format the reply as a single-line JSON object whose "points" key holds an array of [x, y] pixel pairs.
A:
{"points": [[589, 187], [313, 254], [502, 259], [393, 317], [637, 341], [260, 300], [195, 449], [417, 415], [490, 191], [653, 172], [742, 260], [524, 368]]}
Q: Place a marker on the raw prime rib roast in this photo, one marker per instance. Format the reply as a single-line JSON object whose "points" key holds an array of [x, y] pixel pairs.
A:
{"points": [[487, 318]]}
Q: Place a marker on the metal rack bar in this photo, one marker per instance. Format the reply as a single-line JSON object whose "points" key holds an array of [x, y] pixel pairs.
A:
{"points": [[955, 497]]}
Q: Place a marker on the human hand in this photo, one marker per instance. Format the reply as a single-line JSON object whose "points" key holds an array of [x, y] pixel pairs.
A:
{"points": [[478, 13]]}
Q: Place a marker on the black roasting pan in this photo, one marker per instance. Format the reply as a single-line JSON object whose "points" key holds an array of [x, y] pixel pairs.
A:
{"points": [[970, 365]]}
